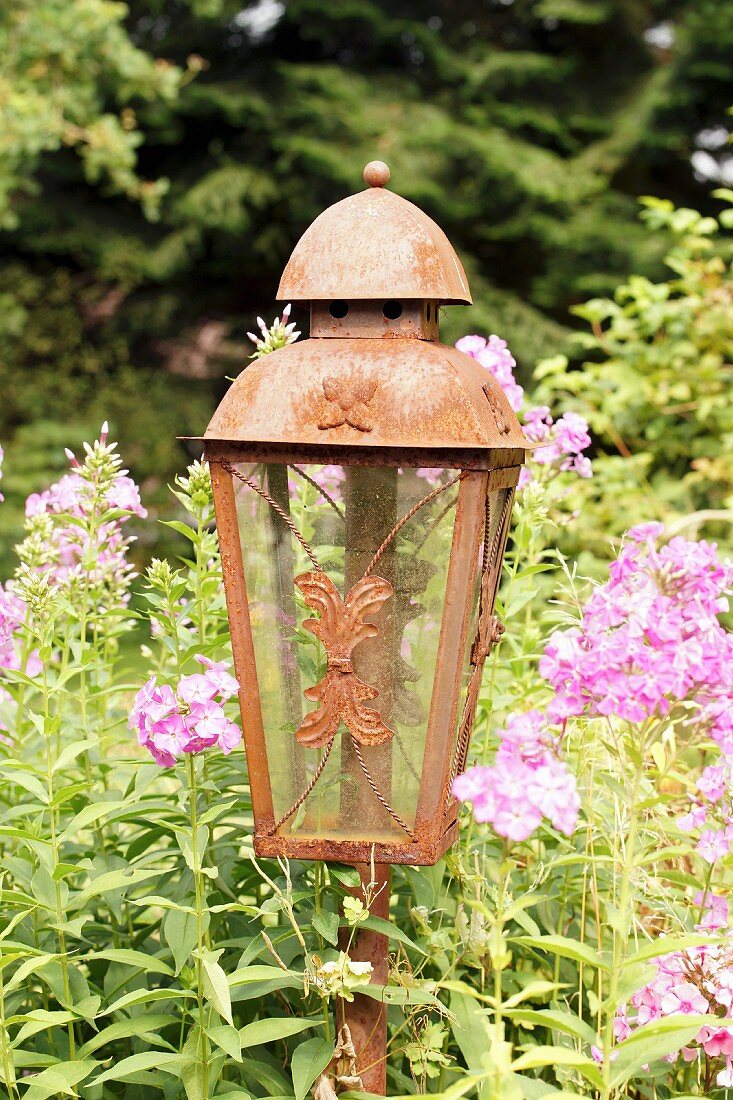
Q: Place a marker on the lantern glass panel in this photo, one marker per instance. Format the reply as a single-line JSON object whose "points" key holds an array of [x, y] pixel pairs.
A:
{"points": [[498, 501], [346, 515]]}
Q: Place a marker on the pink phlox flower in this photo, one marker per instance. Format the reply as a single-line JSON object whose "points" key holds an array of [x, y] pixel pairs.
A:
{"points": [[494, 355], [188, 719], [695, 818], [125, 495], [217, 674], [715, 913], [717, 1041], [526, 782], [196, 688], [713, 845], [714, 782], [685, 998]]}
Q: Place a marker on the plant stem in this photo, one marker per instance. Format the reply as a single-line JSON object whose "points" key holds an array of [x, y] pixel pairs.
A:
{"points": [[61, 938], [200, 902], [622, 926]]}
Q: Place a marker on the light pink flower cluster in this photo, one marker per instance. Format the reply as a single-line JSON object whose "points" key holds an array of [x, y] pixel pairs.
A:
{"points": [[650, 638], [85, 543], [526, 783], [12, 614], [694, 982], [496, 357], [189, 718], [711, 811], [562, 441]]}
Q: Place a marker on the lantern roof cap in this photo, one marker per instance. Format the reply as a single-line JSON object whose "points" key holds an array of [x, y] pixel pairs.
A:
{"points": [[370, 393], [374, 245]]}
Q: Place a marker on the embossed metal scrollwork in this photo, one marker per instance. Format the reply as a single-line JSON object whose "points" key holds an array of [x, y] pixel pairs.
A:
{"points": [[341, 628]]}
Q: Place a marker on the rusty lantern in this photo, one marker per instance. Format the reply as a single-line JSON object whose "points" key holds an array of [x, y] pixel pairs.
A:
{"points": [[363, 483]]}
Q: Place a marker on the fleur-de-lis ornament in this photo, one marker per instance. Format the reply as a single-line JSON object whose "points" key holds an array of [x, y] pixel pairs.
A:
{"points": [[341, 628]]}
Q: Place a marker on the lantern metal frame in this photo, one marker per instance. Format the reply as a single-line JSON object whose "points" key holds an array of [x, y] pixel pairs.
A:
{"points": [[374, 391]]}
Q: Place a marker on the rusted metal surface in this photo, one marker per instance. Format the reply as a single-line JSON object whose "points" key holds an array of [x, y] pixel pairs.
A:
{"points": [[424, 851], [347, 402], [375, 391], [374, 244], [453, 458], [235, 589], [341, 627], [423, 394], [418, 320], [366, 1017]]}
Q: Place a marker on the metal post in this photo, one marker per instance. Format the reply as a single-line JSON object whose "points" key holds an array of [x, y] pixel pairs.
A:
{"points": [[367, 1018]]}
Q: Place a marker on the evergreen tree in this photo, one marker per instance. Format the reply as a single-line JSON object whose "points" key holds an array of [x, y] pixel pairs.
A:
{"points": [[162, 160]]}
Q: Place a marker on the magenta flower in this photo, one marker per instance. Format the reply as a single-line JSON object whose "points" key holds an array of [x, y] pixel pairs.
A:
{"points": [[188, 719]]}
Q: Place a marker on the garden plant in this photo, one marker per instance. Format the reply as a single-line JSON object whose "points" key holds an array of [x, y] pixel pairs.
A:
{"points": [[575, 940]]}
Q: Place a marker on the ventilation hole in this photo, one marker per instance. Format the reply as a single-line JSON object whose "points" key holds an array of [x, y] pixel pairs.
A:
{"points": [[392, 310], [427, 313], [338, 309]]}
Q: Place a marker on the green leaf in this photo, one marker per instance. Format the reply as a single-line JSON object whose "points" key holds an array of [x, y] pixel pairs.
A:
{"points": [[139, 1026], [139, 959], [653, 1041], [270, 1030], [120, 879], [87, 816], [327, 925], [470, 1030], [152, 1059], [309, 1059], [146, 996], [28, 783], [193, 1075], [69, 754], [347, 876], [228, 1038], [59, 1078], [565, 948], [180, 933], [391, 931], [540, 1056], [216, 985], [263, 973], [566, 1022], [39, 1020]]}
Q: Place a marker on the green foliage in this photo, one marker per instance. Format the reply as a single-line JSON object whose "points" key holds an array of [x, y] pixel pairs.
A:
{"points": [[525, 129], [657, 392]]}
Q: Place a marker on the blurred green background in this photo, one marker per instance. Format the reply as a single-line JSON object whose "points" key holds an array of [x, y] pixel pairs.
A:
{"points": [[158, 160]]}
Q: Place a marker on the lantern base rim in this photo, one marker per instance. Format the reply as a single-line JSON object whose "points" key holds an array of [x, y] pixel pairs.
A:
{"points": [[423, 852]]}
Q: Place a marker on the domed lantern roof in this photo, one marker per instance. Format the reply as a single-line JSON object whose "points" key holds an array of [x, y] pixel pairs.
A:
{"points": [[374, 376], [374, 244]]}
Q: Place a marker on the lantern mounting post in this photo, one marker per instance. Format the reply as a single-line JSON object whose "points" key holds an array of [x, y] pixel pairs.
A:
{"points": [[363, 481]]}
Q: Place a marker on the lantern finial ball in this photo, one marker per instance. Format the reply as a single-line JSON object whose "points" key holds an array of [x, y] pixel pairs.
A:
{"points": [[376, 173]]}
